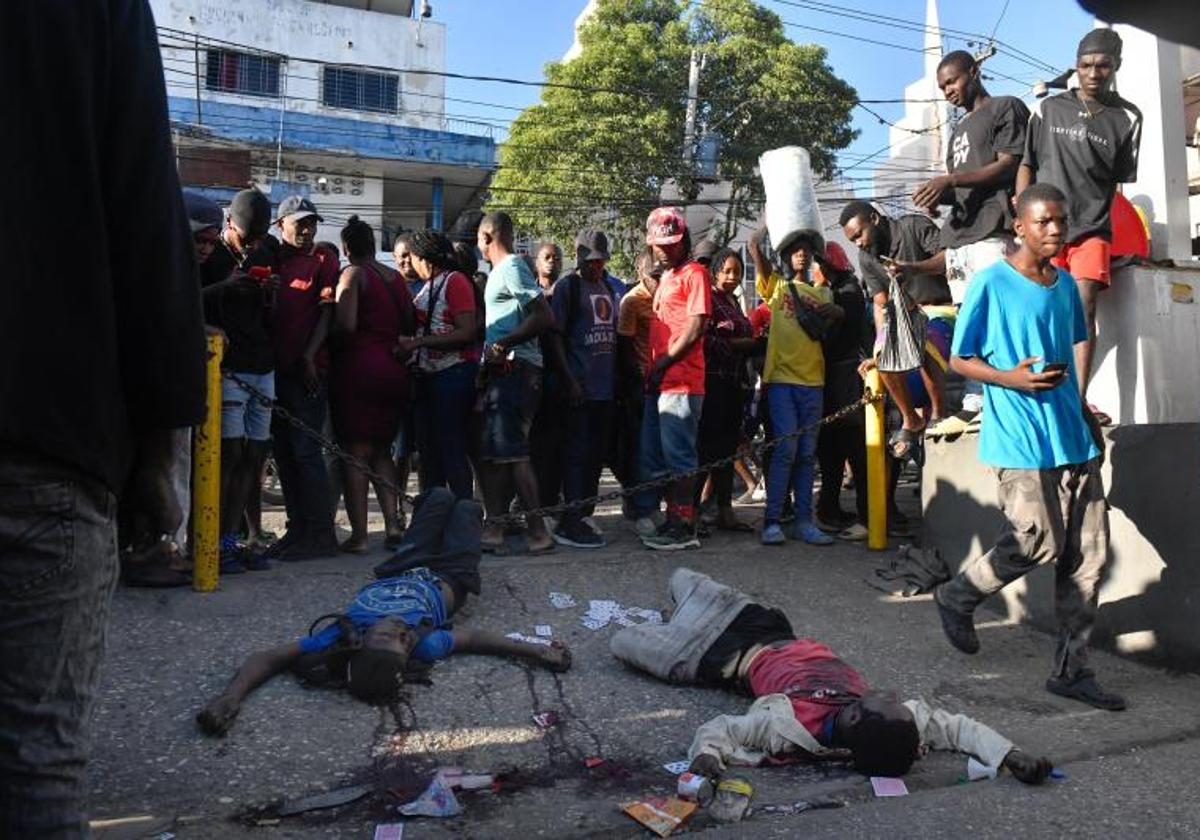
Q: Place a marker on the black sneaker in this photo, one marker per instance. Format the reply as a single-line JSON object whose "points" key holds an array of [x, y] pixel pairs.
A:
{"points": [[1085, 689], [577, 535], [959, 627], [675, 535]]}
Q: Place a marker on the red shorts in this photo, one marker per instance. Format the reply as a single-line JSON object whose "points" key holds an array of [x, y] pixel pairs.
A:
{"points": [[1087, 259]]}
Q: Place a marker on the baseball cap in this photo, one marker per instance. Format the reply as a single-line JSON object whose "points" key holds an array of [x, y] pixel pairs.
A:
{"points": [[203, 213], [665, 226], [591, 245], [295, 208], [250, 211]]}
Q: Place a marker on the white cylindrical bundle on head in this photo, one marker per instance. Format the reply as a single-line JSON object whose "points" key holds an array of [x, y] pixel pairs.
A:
{"points": [[791, 195]]}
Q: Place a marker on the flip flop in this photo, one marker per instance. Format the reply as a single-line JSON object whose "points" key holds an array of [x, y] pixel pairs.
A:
{"points": [[914, 445]]}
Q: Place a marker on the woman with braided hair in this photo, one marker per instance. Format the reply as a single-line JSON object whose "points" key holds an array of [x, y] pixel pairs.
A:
{"points": [[445, 357], [369, 384]]}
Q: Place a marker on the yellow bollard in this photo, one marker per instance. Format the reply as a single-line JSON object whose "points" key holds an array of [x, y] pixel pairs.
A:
{"points": [[877, 483], [206, 478]]}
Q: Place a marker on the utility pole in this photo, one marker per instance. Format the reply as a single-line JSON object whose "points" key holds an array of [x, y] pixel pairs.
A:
{"points": [[689, 125]]}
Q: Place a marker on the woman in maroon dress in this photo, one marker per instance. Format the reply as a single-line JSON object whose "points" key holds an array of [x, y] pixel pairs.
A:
{"points": [[369, 385]]}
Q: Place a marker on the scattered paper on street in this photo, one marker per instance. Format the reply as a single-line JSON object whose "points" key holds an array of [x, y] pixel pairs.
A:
{"points": [[677, 767], [389, 831], [562, 601], [601, 613], [521, 637], [543, 630], [887, 786]]}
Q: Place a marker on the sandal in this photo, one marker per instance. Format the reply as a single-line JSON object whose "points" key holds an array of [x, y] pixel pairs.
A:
{"points": [[908, 445]]}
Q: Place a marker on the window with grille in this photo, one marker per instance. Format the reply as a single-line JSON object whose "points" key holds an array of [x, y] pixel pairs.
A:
{"points": [[360, 90], [235, 72]]}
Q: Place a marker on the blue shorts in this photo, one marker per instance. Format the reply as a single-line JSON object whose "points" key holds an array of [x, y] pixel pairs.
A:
{"points": [[242, 415], [511, 401], [670, 425]]}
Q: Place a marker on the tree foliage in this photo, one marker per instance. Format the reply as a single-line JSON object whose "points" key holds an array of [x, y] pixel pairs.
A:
{"points": [[608, 133]]}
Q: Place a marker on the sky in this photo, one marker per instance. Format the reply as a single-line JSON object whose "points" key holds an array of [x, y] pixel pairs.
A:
{"points": [[516, 39]]}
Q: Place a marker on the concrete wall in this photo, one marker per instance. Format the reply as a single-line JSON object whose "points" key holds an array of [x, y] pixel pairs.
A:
{"points": [[1147, 366], [1150, 599], [311, 35]]}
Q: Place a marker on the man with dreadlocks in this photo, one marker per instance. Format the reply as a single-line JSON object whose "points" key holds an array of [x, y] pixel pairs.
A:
{"points": [[809, 702], [400, 619]]}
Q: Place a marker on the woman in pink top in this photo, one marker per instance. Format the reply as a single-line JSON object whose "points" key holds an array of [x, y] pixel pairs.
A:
{"points": [[369, 384]]}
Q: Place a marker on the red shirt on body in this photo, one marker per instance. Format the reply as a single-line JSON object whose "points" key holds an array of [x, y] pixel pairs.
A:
{"points": [[306, 283], [760, 320], [812, 676], [683, 293], [453, 295]]}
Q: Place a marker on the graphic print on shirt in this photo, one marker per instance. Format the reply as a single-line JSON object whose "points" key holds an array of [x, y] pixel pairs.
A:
{"points": [[960, 150], [602, 335]]}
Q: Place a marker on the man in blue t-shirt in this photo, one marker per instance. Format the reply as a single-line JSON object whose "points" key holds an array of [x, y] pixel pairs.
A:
{"points": [[585, 314], [403, 616], [1017, 332]]}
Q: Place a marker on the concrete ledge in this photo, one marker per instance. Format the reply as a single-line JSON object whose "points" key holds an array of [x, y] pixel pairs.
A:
{"points": [[1150, 600]]}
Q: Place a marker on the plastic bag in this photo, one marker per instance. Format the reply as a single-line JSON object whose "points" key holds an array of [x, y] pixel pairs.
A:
{"points": [[791, 195], [903, 344]]}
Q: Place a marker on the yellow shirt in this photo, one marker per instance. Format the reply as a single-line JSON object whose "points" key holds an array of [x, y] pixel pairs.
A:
{"points": [[792, 357]]}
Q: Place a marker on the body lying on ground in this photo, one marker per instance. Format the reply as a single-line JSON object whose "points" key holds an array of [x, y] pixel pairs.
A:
{"points": [[401, 620], [808, 701]]}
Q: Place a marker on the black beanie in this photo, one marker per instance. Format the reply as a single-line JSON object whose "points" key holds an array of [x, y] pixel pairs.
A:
{"points": [[250, 210], [1104, 41]]}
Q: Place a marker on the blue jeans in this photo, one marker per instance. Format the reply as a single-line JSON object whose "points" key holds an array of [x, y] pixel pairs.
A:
{"points": [[792, 461], [670, 425], [58, 567], [302, 474], [444, 403]]}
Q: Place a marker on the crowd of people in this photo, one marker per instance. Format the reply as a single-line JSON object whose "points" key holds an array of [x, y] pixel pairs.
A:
{"points": [[518, 386]]}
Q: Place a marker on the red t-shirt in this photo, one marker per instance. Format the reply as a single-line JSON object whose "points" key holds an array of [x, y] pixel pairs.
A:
{"points": [[683, 293], [760, 320], [812, 676], [453, 294], [306, 283]]}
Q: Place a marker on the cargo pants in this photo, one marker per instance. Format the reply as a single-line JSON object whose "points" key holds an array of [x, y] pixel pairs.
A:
{"points": [[1056, 516]]}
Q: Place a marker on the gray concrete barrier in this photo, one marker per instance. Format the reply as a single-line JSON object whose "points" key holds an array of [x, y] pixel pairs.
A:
{"points": [[1150, 600]]}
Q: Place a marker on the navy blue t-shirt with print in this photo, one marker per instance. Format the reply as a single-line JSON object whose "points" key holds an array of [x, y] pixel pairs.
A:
{"points": [[414, 597], [589, 333]]}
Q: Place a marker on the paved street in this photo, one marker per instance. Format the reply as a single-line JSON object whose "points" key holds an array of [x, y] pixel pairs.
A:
{"points": [[1129, 774]]}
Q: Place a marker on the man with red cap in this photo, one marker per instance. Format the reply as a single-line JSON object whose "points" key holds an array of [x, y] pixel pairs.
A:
{"points": [[675, 381]]}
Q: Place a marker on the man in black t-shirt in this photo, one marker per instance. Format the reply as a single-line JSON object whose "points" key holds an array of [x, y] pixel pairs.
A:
{"points": [[236, 298], [911, 248], [1085, 142], [981, 169]]}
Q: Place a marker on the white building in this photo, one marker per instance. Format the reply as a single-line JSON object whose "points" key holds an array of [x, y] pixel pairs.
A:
{"points": [[918, 139], [341, 101]]}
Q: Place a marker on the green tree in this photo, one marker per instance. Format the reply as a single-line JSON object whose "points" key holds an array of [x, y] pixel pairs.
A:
{"points": [[608, 133]]}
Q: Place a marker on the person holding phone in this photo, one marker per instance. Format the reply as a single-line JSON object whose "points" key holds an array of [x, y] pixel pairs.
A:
{"points": [[1017, 331]]}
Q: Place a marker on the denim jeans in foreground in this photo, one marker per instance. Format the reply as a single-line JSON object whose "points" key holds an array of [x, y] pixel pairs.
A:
{"points": [[58, 567], [792, 461]]}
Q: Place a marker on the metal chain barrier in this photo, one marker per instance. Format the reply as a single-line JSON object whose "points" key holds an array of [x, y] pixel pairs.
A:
{"points": [[518, 517]]}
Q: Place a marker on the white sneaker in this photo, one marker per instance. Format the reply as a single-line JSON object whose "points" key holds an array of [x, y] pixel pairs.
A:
{"points": [[760, 492], [855, 533]]}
